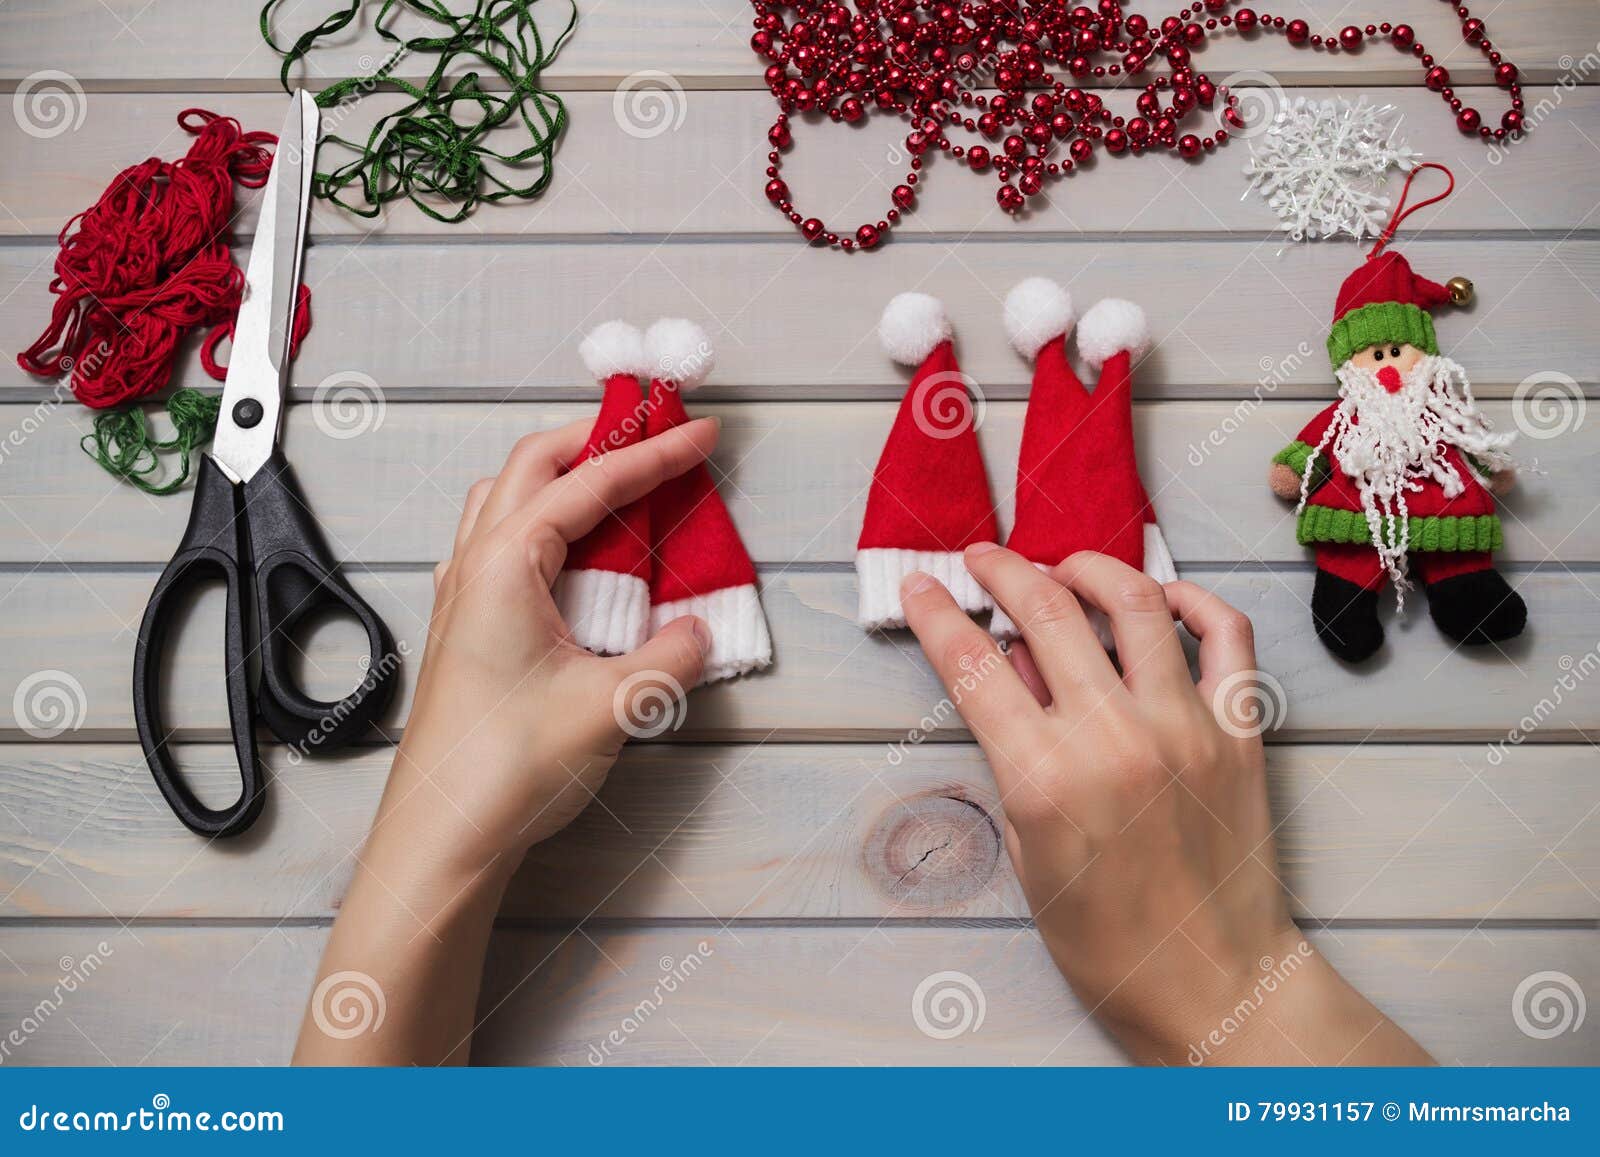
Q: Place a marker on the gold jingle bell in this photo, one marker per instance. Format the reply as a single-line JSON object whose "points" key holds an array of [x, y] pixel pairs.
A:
{"points": [[1460, 290]]}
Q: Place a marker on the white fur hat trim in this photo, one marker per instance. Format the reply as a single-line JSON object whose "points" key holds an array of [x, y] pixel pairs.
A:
{"points": [[912, 326], [1111, 326], [1037, 312]]}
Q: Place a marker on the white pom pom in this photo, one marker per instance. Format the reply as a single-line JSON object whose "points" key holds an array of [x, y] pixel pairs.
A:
{"points": [[679, 351], [614, 347], [1037, 312], [1110, 327], [911, 326]]}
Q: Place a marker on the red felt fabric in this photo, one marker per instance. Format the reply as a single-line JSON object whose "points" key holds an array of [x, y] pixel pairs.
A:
{"points": [[1356, 563], [1340, 493], [1359, 563], [1078, 484], [1311, 433], [697, 548], [1435, 566], [621, 542], [1388, 277], [930, 490]]}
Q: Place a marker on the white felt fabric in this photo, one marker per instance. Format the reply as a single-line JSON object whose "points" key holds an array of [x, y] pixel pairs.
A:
{"points": [[880, 570], [740, 640], [1157, 564], [609, 612]]}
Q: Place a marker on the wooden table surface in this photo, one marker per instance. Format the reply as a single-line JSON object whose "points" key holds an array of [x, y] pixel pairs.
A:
{"points": [[814, 881]]}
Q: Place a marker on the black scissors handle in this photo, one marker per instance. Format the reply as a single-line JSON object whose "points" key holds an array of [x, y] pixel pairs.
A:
{"points": [[261, 540], [295, 577], [213, 546]]}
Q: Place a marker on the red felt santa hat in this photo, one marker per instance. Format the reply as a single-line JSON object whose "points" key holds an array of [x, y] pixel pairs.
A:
{"points": [[929, 498], [1078, 484], [701, 566], [1384, 301], [603, 592]]}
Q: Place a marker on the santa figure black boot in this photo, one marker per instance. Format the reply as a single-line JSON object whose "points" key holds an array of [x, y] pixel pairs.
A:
{"points": [[1475, 607], [1345, 614]]}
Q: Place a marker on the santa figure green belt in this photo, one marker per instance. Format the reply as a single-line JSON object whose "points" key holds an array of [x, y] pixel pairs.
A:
{"points": [[1399, 476]]}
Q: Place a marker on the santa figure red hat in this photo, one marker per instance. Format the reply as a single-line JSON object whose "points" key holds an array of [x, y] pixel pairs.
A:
{"points": [[700, 566], [603, 592], [929, 499], [1399, 476], [1078, 485]]}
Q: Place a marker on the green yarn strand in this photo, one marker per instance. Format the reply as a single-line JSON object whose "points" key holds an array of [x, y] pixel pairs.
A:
{"points": [[437, 147], [125, 444]]}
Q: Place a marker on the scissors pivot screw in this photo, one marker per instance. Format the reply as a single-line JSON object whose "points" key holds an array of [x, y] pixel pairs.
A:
{"points": [[247, 413]]}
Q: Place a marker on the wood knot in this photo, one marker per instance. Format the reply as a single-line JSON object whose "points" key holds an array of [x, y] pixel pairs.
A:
{"points": [[933, 850]]}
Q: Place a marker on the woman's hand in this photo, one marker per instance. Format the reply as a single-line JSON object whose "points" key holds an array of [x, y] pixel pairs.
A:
{"points": [[1137, 817], [514, 726], [512, 731]]}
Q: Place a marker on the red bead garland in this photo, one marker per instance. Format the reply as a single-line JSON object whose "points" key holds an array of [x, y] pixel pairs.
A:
{"points": [[925, 61]]}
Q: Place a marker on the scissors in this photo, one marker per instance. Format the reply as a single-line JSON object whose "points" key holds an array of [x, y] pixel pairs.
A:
{"points": [[251, 527]]}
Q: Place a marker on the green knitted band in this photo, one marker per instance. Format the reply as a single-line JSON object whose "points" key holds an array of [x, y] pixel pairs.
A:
{"points": [[1379, 323], [1433, 532], [1296, 454]]}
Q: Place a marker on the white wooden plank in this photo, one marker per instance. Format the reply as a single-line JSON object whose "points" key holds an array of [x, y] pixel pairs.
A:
{"points": [[705, 177], [1376, 832], [794, 476], [504, 320], [832, 682], [110, 44], [751, 995]]}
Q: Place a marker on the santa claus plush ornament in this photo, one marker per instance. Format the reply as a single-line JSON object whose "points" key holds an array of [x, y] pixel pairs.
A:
{"points": [[1399, 476]]}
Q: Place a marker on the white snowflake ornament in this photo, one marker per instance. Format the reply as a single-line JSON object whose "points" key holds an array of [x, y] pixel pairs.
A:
{"points": [[1322, 165]]}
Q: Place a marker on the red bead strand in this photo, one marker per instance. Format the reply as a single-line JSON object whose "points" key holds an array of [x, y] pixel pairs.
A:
{"points": [[935, 63]]}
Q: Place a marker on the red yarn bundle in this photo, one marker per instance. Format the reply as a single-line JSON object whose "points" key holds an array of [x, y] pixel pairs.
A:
{"points": [[148, 263]]}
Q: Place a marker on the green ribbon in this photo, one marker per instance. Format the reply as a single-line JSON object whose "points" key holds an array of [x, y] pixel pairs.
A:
{"points": [[437, 146], [124, 443]]}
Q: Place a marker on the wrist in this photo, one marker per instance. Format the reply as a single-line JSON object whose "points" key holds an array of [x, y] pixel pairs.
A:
{"points": [[1291, 1007], [1255, 1014], [1210, 1011], [442, 804], [426, 872], [404, 891], [424, 845]]}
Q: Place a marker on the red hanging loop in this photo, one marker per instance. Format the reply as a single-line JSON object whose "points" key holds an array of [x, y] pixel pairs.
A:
{"points": [[1401, 212]]}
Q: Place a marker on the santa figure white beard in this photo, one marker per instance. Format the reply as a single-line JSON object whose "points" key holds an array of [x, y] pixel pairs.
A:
{"points": [[1390, 443]]}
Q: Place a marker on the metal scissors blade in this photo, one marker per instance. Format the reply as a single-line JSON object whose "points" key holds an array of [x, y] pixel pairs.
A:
{"points": [[252, 398], [293, 204]]}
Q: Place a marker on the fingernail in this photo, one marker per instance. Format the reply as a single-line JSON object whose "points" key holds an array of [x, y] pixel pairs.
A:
{"points": [[982, 547], [702, 633], [715, 420], [915, 583]]}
